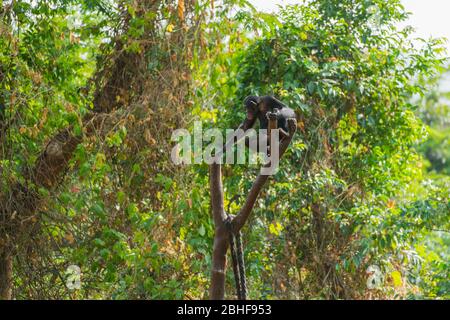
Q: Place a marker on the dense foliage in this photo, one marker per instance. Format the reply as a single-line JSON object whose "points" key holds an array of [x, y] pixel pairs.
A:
{"points": [[90, 92]]}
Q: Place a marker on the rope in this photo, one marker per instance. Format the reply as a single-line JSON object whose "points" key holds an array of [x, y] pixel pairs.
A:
{"points": [[237, 258], [241, 265]]}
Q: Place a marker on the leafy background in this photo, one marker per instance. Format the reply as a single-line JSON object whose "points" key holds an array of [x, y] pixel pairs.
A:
{"points": [[365, 182]]}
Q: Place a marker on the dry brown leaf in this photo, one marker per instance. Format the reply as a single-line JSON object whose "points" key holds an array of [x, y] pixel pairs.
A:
{"points": [[181, 10], [391, 204], [148, 137], [69, 237]]}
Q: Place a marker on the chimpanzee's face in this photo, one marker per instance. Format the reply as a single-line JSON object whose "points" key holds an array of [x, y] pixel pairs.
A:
{"points": [[251, 112], [251, 106]]}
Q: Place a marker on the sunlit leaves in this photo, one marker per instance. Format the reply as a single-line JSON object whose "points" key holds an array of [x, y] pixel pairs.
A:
{"points": [[351, 86]]}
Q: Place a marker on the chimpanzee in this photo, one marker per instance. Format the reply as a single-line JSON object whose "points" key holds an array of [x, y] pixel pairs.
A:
{"points": [[257, 108], [263, 108]]}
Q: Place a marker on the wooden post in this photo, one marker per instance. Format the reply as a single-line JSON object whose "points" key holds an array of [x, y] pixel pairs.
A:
{"points": [[272, 125]]}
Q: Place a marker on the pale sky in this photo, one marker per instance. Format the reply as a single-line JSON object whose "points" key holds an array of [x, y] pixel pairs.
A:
{"points": [[429, 17]]}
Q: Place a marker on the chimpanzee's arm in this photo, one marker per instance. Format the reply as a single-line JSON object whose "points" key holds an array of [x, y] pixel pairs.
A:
{"points": [[244, 126], [247, 124]]}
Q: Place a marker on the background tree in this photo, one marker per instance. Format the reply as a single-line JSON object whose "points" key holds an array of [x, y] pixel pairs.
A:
{"points": [[341, 203]]}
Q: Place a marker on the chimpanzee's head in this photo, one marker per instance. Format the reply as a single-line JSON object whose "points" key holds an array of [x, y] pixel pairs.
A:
{"points": [[251, 105]]}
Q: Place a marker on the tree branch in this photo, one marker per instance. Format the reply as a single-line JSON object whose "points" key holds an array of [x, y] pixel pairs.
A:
{"points": [[240, 220], [219, 258]]}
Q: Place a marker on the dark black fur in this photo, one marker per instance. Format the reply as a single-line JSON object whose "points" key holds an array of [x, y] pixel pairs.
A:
{"points": [[259, 106]]}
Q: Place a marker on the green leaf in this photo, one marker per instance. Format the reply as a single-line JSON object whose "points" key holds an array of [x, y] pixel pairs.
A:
{"points": [[201, 230]]}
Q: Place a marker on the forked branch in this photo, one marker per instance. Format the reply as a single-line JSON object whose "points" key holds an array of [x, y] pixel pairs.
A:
{"points": [[217, 290]]}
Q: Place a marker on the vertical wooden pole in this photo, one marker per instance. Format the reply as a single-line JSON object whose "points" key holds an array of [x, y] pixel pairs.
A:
{"points": [[272, 125], [5, 276]]}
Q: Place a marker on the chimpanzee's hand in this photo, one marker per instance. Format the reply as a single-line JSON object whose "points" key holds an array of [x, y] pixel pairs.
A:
{"points": [[271, 115], [292, 125]]}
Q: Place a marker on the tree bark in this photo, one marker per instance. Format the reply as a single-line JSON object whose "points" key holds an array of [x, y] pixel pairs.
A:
{"points": [[5, 276], [217, 290], [48, 169]]}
